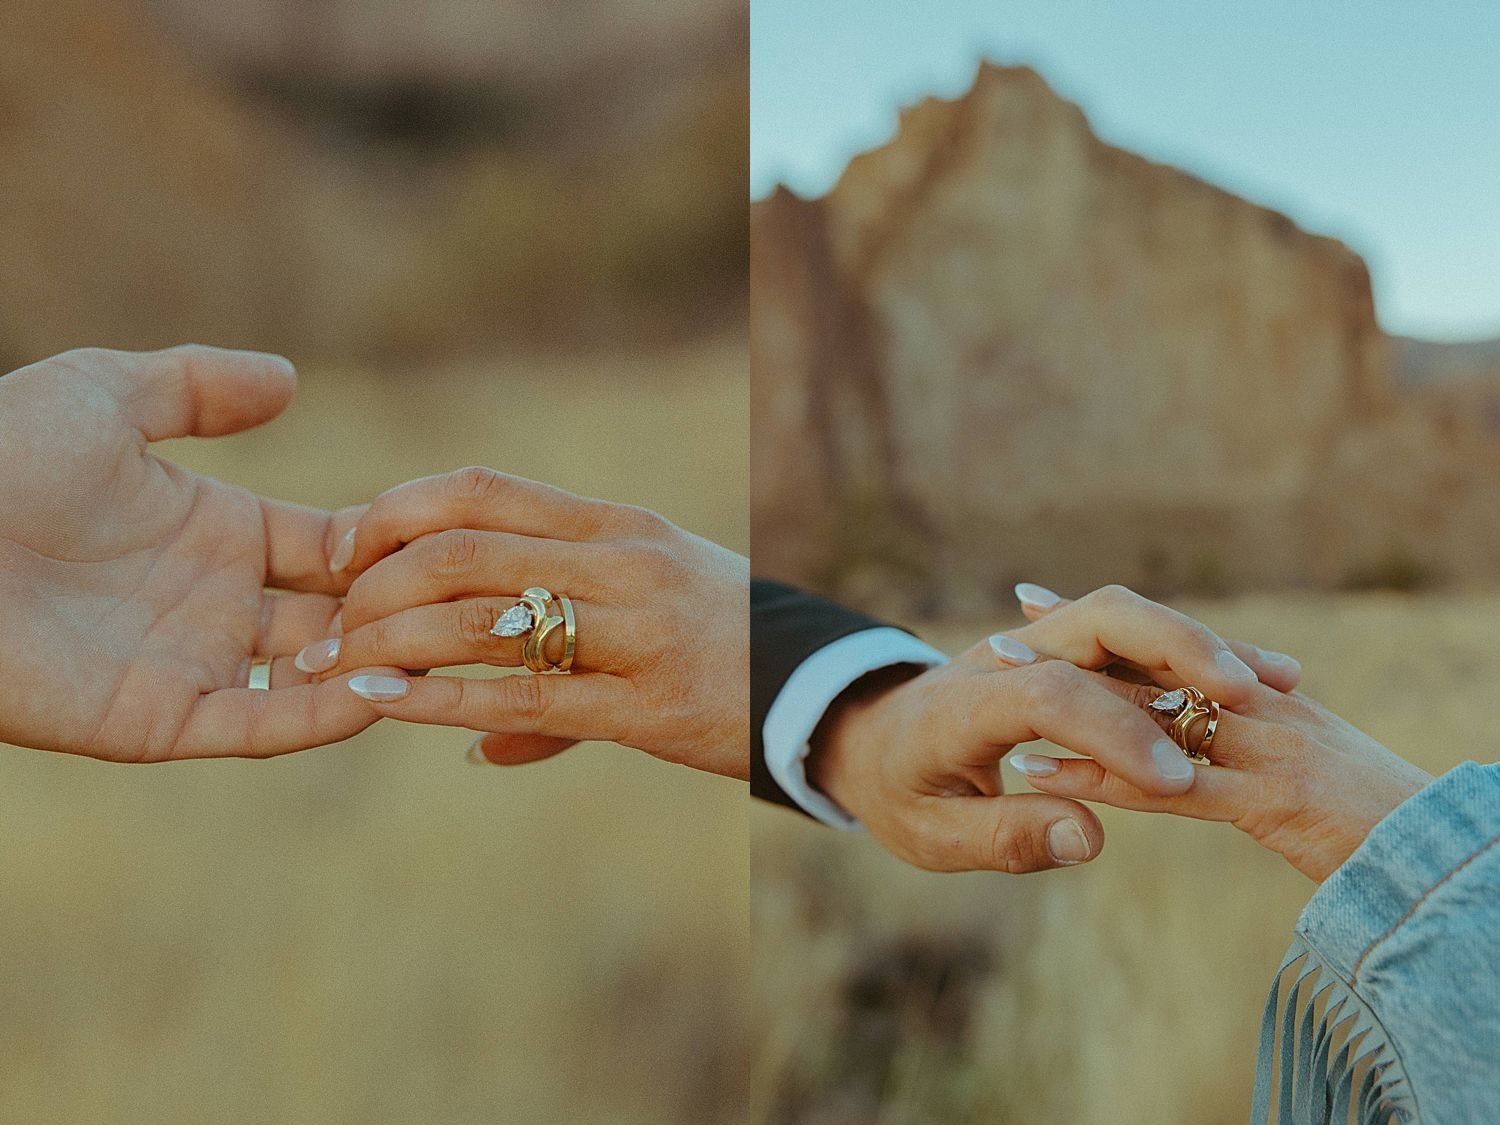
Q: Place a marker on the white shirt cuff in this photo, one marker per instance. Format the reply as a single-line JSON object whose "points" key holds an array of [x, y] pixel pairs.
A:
{"points": [[806, 696]]}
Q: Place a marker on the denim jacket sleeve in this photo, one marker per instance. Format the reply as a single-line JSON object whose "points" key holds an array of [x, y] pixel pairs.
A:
{"points": [[1387, 1007]]}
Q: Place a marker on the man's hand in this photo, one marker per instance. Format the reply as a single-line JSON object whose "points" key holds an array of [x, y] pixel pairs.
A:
{"points": [[132, 592], [916, 756]]}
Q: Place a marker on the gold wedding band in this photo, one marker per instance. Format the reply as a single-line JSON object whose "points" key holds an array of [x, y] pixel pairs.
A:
{"points": [[533, 654], [260, 673], [531, 617], [1184, 707]]}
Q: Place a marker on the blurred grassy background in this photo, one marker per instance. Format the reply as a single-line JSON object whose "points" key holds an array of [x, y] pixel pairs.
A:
{"points": [[379, 932], [509, 234], [1126, 991]]}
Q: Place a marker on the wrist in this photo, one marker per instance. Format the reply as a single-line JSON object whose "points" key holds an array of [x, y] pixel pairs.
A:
{"points": [[849, 734], [1318, 842]]}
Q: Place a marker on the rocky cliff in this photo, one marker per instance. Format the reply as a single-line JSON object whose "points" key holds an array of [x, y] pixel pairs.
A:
{"points": [[1001, 349]]}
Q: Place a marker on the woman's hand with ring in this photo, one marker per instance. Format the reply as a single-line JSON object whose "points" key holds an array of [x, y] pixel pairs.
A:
{"points": [[662, 620], [1294, 776], [915, 755]]}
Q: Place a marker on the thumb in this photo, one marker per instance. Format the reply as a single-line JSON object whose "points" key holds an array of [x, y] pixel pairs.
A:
{"points": [[197, 391], [516, 749], [1019, 832]]}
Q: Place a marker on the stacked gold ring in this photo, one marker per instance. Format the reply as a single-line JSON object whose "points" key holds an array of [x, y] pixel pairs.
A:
{"points": [[1185, 706], [538, 603]]}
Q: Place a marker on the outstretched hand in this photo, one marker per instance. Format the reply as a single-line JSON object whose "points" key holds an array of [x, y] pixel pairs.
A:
{"points": [[133, 591]]}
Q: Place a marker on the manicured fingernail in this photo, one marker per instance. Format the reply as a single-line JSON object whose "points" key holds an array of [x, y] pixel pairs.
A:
{"points": [[1067, 842], [379, 689], [1171, 762], [1234, 668], [336, 626], [1034, 765], [343, 554], [475, 755], [1281, 659], [1011, 650], [1038, 597], [319, 656]]}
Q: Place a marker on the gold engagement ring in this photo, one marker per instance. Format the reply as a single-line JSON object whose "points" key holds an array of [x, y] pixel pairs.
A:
{"points": [[1184, 707], [532, 617]]}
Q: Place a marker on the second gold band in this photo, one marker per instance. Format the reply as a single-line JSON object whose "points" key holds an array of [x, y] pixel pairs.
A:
{"points": [[533, 653]]}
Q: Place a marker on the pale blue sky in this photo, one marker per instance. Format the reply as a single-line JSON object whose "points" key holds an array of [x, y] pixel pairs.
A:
{"points": [[1372, 120]]}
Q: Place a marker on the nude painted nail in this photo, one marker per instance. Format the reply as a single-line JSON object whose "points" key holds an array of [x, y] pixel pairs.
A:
{"points": [[336, 626], [1011, 650], [1281, 659], [379, 689], [1234, 668], [1171, 762], [1067, 842], [319, 656], [343, 554], [475, 754], [1034, 765], [1038, 597]]}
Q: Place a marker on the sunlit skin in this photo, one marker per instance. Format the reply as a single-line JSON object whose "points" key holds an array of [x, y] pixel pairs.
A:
{"points": [[134, 592], [663, 643], [916, 756], [137, 594], [1298, 779]]}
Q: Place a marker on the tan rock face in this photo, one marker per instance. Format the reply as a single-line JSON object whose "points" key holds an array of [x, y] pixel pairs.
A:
{"points": [[1022, 353]]}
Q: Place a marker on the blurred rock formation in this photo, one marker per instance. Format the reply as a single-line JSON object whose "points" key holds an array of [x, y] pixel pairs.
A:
{"points": [[367, 180], [1000, 349]]}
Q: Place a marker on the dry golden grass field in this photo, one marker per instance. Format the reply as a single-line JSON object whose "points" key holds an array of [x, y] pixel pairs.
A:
{"points": [[378, 933], [1124, 992]]}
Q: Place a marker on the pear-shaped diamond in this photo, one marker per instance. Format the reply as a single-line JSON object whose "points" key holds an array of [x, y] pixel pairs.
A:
{"points": [[1169, 701], [514, 621]]}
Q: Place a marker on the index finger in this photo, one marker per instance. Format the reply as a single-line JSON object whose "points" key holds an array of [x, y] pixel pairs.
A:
{"points": [[1275, 669], [477, 498], [1114, 623], [1078, 710]]}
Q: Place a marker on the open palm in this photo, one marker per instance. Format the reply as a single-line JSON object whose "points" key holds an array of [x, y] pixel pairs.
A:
{"points": [[133, 592]]}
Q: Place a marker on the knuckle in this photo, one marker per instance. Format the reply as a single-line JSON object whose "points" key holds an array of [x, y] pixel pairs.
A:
{"points": [[477, 484], [191, 353], [1011, 852], [453, 553], [377, 641], [1116, 596], [84, 357], [639, 521], [473, 623], [523, 701], [660, 564], [1049, 685], [1137, 695]]}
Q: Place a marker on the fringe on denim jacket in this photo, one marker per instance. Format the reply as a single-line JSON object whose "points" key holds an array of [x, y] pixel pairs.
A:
{"points": [[1387, 1007]]}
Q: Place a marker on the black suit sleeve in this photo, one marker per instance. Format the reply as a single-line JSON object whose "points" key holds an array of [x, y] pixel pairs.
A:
{"points": [[786, 627]]}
